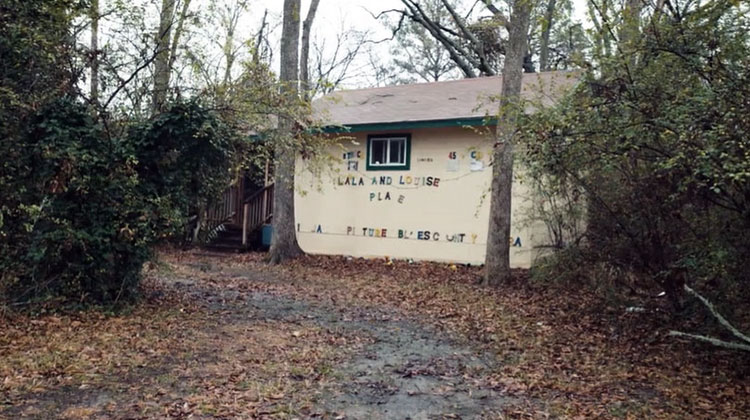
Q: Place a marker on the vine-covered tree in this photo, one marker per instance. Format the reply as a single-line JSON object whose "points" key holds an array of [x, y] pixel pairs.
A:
{"points": [[83, 204]]}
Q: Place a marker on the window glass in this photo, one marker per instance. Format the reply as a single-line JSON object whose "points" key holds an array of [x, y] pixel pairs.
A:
{"points": [[397, 151], [388, 152], [378, 152]]}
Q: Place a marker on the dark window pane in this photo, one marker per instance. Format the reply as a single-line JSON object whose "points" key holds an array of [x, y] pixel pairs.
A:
{"points": [[378, 152], [397, 151]]}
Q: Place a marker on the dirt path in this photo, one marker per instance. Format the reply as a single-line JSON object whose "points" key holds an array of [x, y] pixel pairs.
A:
{"points": [[248, 351], [228, 337], [407, 370]]}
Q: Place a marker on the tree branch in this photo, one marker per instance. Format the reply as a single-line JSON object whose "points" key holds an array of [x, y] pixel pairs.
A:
{"points": [[497, 13], [711, 340], [460, 56], [723, 321], [475, 43]]}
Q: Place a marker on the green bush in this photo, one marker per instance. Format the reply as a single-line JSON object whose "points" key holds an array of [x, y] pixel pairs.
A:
{"points": [[186, 157], [81, 230], [657, 137], [89, 208], [80, 207]]}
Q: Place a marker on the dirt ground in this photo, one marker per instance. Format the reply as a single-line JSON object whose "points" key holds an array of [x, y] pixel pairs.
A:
{"points": [[226, 336]]}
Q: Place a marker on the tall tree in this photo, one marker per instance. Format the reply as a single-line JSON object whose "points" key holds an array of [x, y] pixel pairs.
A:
{"points": [[547, 22], [230, 18], [497, 261], [304, 71], [284, 244], [161, 63], [474, 46], [217, 62], [167, 41], [94, 82], [557, 38], [471, 36]]}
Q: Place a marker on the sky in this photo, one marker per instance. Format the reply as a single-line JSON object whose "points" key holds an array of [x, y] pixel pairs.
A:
{"points": [[331, 13], [335, 16]]}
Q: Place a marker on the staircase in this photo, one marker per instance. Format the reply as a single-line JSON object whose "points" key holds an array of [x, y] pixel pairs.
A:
{"points": [[229, 239], [237, 221]]}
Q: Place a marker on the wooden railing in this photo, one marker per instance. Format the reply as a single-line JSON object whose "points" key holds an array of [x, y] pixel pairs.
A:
{"points": [[256, 211], [222, 211]]}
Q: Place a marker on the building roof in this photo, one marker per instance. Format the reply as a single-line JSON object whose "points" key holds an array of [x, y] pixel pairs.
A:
{"points": [[418, 104]]}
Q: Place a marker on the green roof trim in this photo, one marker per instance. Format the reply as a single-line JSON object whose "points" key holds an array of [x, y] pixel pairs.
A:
{"points": [[410, 125]]}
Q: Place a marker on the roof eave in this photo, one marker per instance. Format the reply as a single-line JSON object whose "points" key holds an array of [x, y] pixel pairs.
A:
{"points": [[410, 125]]}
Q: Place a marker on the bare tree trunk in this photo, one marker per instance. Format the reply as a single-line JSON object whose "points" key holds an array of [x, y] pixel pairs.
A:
{"points": [[94, 92], [497, 260], [284, 244], [229, 54], [178, 33], [549, 15], [630, 29], [304, 73], [167, 41], [161, 63]]}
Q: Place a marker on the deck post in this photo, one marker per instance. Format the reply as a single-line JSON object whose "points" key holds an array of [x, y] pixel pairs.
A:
{"points": [[264, 206], [245, 210]]}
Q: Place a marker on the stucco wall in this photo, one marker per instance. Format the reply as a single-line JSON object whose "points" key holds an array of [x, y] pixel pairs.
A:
{"points": [[363, 213]]}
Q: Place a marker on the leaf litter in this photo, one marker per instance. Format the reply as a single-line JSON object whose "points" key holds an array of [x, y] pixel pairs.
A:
{"points": [[227, 336]]}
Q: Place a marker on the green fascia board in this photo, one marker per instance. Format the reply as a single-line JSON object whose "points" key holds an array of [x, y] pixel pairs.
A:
{"points": [[410, 125]]}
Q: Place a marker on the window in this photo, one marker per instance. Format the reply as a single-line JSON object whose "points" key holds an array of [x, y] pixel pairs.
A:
{"points": [[389, 152]]}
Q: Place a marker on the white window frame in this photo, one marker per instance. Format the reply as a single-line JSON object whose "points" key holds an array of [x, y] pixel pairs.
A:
{"points": [[390, 139]]}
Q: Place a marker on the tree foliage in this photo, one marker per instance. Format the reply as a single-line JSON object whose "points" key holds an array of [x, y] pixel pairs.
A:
{"points": [[656, 138], [81, 206], [416, 54], [187, 155], [474, 37], [80, 229], [90, 207]]}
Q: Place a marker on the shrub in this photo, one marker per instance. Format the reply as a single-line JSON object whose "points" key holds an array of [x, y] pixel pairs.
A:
{"points": [[88, 208], [80, 230], [657, 139]]}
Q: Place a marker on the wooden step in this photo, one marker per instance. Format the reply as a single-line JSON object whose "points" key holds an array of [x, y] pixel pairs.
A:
{"points": [[225, 247]]}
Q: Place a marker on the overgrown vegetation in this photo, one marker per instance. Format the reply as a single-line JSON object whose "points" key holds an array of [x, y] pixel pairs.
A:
{"points": [[652, 152], [82, 206], [90, 207]]}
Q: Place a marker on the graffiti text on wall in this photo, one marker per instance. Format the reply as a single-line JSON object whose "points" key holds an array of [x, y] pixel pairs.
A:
{"points": [[405, 180], [420, 235], [352, 160], [386, 196]]}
